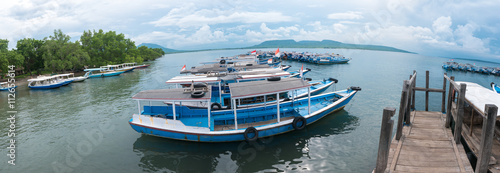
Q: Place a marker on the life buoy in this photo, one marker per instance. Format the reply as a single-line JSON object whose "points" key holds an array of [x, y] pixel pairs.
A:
{"points": [[197, 94], [273, 78], [215, 106], [251, 130], [199, 85], [298, 119]]}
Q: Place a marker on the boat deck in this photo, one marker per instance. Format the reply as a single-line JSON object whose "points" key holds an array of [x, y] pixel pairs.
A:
{"points": [[427, 146]]}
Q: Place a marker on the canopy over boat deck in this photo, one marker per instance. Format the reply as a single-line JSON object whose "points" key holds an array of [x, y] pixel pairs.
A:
{"points": [[479, 96], [259, 88], [176, 94]]}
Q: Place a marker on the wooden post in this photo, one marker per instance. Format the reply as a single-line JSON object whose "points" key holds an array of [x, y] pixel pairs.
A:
{"points": [[443, 101], [448, 109], [384, 143], [460, 113], [402, 107], [486, 138], [413, 93], [427, 90], [408, 102]]}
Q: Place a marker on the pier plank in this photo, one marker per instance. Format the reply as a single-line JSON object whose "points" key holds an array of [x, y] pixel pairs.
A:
{"points": [[427, 146]]}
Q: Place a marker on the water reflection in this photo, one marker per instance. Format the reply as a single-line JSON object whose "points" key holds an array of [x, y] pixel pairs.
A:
{"points": [[268, 154]]}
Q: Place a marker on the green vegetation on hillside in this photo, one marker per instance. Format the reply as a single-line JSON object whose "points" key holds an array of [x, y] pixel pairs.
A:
{"points": [[328, 44], [166, 50], [321, 44], [57, 53]]}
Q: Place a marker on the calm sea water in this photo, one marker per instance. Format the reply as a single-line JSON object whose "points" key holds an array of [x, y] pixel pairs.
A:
{"points": [[84, 127]]}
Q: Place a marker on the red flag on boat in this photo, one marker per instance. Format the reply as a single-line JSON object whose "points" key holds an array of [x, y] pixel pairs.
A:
{"points": [[183, 68], [301, 69], [277, 53], [254, 52]]}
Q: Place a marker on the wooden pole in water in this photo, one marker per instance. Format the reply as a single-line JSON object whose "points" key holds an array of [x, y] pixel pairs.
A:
{"points": [[443, 100], [448, 109], [385, 140], [402, 111], [427, 90], [460, 113], [486, 138]]}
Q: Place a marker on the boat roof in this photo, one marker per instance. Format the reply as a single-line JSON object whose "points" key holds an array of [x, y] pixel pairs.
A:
{"points": [[187, 79], [94, 69], [479, 96], [41, 78], [176, 94], [1, 83], [109, 66], [61, 75], [258, 88]]}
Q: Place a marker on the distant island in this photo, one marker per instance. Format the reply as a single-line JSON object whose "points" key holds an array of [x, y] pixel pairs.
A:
{"points": [[326, 44]]}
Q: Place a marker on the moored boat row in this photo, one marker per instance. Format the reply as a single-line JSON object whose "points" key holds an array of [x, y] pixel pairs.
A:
{"points": [[316, 58], [450, 65]]}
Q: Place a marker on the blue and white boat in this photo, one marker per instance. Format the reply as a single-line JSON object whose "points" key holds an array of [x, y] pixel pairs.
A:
{"points": [[235, 124], [104, 71], [220, 99], [126, 67], [46, 82], [64, 78], [495, 87], [5, 86]]}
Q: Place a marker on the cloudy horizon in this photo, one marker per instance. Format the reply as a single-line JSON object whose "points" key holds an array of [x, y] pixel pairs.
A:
{"points": [[463, 29]]}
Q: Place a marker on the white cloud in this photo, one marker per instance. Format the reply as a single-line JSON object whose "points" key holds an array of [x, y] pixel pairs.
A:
{"points": [[346, 16], [188, 16]]}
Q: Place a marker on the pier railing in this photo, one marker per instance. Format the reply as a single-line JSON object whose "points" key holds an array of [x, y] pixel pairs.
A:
{"points": [[454, 110]]}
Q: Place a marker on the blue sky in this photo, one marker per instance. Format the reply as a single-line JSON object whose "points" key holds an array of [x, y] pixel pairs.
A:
{"points": [[463, 29]]}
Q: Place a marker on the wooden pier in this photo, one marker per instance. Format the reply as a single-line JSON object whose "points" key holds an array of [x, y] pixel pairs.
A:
{"points": [[424, 141]]}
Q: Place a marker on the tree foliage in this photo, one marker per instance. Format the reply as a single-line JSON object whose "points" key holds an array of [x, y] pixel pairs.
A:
{"points": [[57, 53], [60, 54], [30, 49], [9, 57]]}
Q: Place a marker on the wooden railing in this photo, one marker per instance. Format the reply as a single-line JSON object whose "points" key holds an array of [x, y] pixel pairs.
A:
{"points": [[454, 108], [408, 100]]}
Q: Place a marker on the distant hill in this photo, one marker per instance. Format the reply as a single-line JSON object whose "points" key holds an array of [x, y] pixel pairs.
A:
{"points": [[322, 44], [166, 50]]}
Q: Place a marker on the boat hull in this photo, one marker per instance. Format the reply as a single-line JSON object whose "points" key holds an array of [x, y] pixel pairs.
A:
{"points": [[108, 74], [143, 66], [47, 86], [495, 88], [238, 135], [6, 89]]}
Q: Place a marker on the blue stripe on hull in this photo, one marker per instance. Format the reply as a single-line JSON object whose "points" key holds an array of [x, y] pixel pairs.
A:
{"points": [[47, 86], [5, 89], [232, 137]]}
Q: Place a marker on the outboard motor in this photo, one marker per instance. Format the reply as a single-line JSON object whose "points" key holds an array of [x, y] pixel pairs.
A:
{"points": [[355, 88], [334, 80]]}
